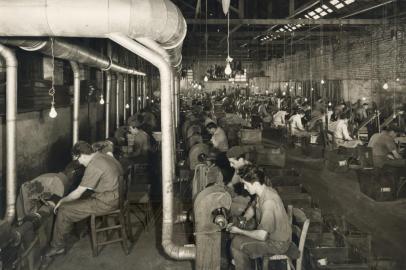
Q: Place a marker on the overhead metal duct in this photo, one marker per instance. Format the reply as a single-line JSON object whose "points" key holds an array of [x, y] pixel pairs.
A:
{"points": [[159, 20], [11, 114], [165, 71], [69, 51]]}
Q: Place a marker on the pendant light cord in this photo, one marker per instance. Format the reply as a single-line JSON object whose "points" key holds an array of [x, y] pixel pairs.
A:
{"points": [[228, 35]]}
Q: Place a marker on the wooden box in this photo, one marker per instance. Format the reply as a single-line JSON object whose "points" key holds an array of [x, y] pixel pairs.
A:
{"points": [[271, 157], [250, 136]]}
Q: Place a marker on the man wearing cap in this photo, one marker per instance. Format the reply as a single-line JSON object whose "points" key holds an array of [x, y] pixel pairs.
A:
{"points": [[102, 177], [218, 138]]}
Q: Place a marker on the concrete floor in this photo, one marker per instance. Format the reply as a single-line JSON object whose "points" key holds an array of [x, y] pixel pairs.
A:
{"points": [[145, 253]]}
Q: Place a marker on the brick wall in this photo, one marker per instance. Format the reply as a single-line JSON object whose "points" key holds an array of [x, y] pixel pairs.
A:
{"points": [[362, 62]]}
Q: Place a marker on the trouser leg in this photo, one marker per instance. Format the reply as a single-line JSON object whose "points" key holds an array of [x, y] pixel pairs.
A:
{"points": [[71, 212], [241, 259]]}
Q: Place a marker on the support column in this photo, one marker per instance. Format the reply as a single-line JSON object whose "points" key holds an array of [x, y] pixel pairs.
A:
{"points": [[132, 95], [108, 93], [117, 101], [125, 99]]}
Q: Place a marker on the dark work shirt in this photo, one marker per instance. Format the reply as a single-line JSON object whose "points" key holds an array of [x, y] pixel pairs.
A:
{"points": [[272, 217]]}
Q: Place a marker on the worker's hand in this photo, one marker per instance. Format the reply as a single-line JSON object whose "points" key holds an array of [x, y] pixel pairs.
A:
{"points": [[57, 206], [234, 229], [50, 204]]}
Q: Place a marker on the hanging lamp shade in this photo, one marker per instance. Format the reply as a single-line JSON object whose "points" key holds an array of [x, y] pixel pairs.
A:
{"points": [[226, 6]]}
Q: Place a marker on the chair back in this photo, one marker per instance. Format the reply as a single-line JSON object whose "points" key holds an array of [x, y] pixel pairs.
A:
{"points": [[301, 234], [123, 187]]}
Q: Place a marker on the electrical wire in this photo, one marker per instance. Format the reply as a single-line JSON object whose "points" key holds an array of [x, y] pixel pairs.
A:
{"points": [[51, 91]]}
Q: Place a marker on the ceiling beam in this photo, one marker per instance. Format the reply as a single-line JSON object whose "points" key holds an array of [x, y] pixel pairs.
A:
{"points": [[248, 34], [290, 21]]}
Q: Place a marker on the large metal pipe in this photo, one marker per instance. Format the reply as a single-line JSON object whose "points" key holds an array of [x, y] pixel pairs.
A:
{"points": [[132, 94], [11, 114], [107, 100], [124, 99], [175, 251], [69, 51], [117, 100], [177, 90], [159, 20], [76, 100]]}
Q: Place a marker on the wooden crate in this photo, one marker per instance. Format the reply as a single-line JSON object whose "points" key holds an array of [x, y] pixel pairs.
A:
{"points": [[271, 157], [250, 136], [378, 184]]}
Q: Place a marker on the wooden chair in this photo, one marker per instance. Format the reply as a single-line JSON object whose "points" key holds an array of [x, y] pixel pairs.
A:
{"points": [[139, 199], [301, 234], [121, 222]]}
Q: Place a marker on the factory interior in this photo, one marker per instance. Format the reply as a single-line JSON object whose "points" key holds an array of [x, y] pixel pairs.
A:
{"points": [[203, 134]]}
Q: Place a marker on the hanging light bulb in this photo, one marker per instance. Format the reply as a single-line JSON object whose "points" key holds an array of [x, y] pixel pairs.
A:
{"points": [[329, 104], [284, 93], [101, 99], [267, 92], [199, 87], [139, 98], [206, 79], [52, 112], [385, 86], [147, 97], [127, 106], [228, 70], [322, 81], [398, 79], [364, 98], [305, 99], [300, 88]]}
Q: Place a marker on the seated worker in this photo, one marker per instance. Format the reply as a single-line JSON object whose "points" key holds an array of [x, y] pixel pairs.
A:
{"points": [[238, 157], [266, 117], [139, 140], [120, 135], [105, 147], [361, 113], [279, 118], [272, 233], [384, 150], [296, 125], [342, 135], [102, 177], [218, 138]]}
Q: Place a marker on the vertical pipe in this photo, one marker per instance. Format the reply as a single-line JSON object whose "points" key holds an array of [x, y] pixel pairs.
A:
{"points": [[144, 91], [138, 93], [11, 114], [132, 94], [108, 93], [175, 251], [76, 100], [125, 99], [117, 101], [177, 88]]}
